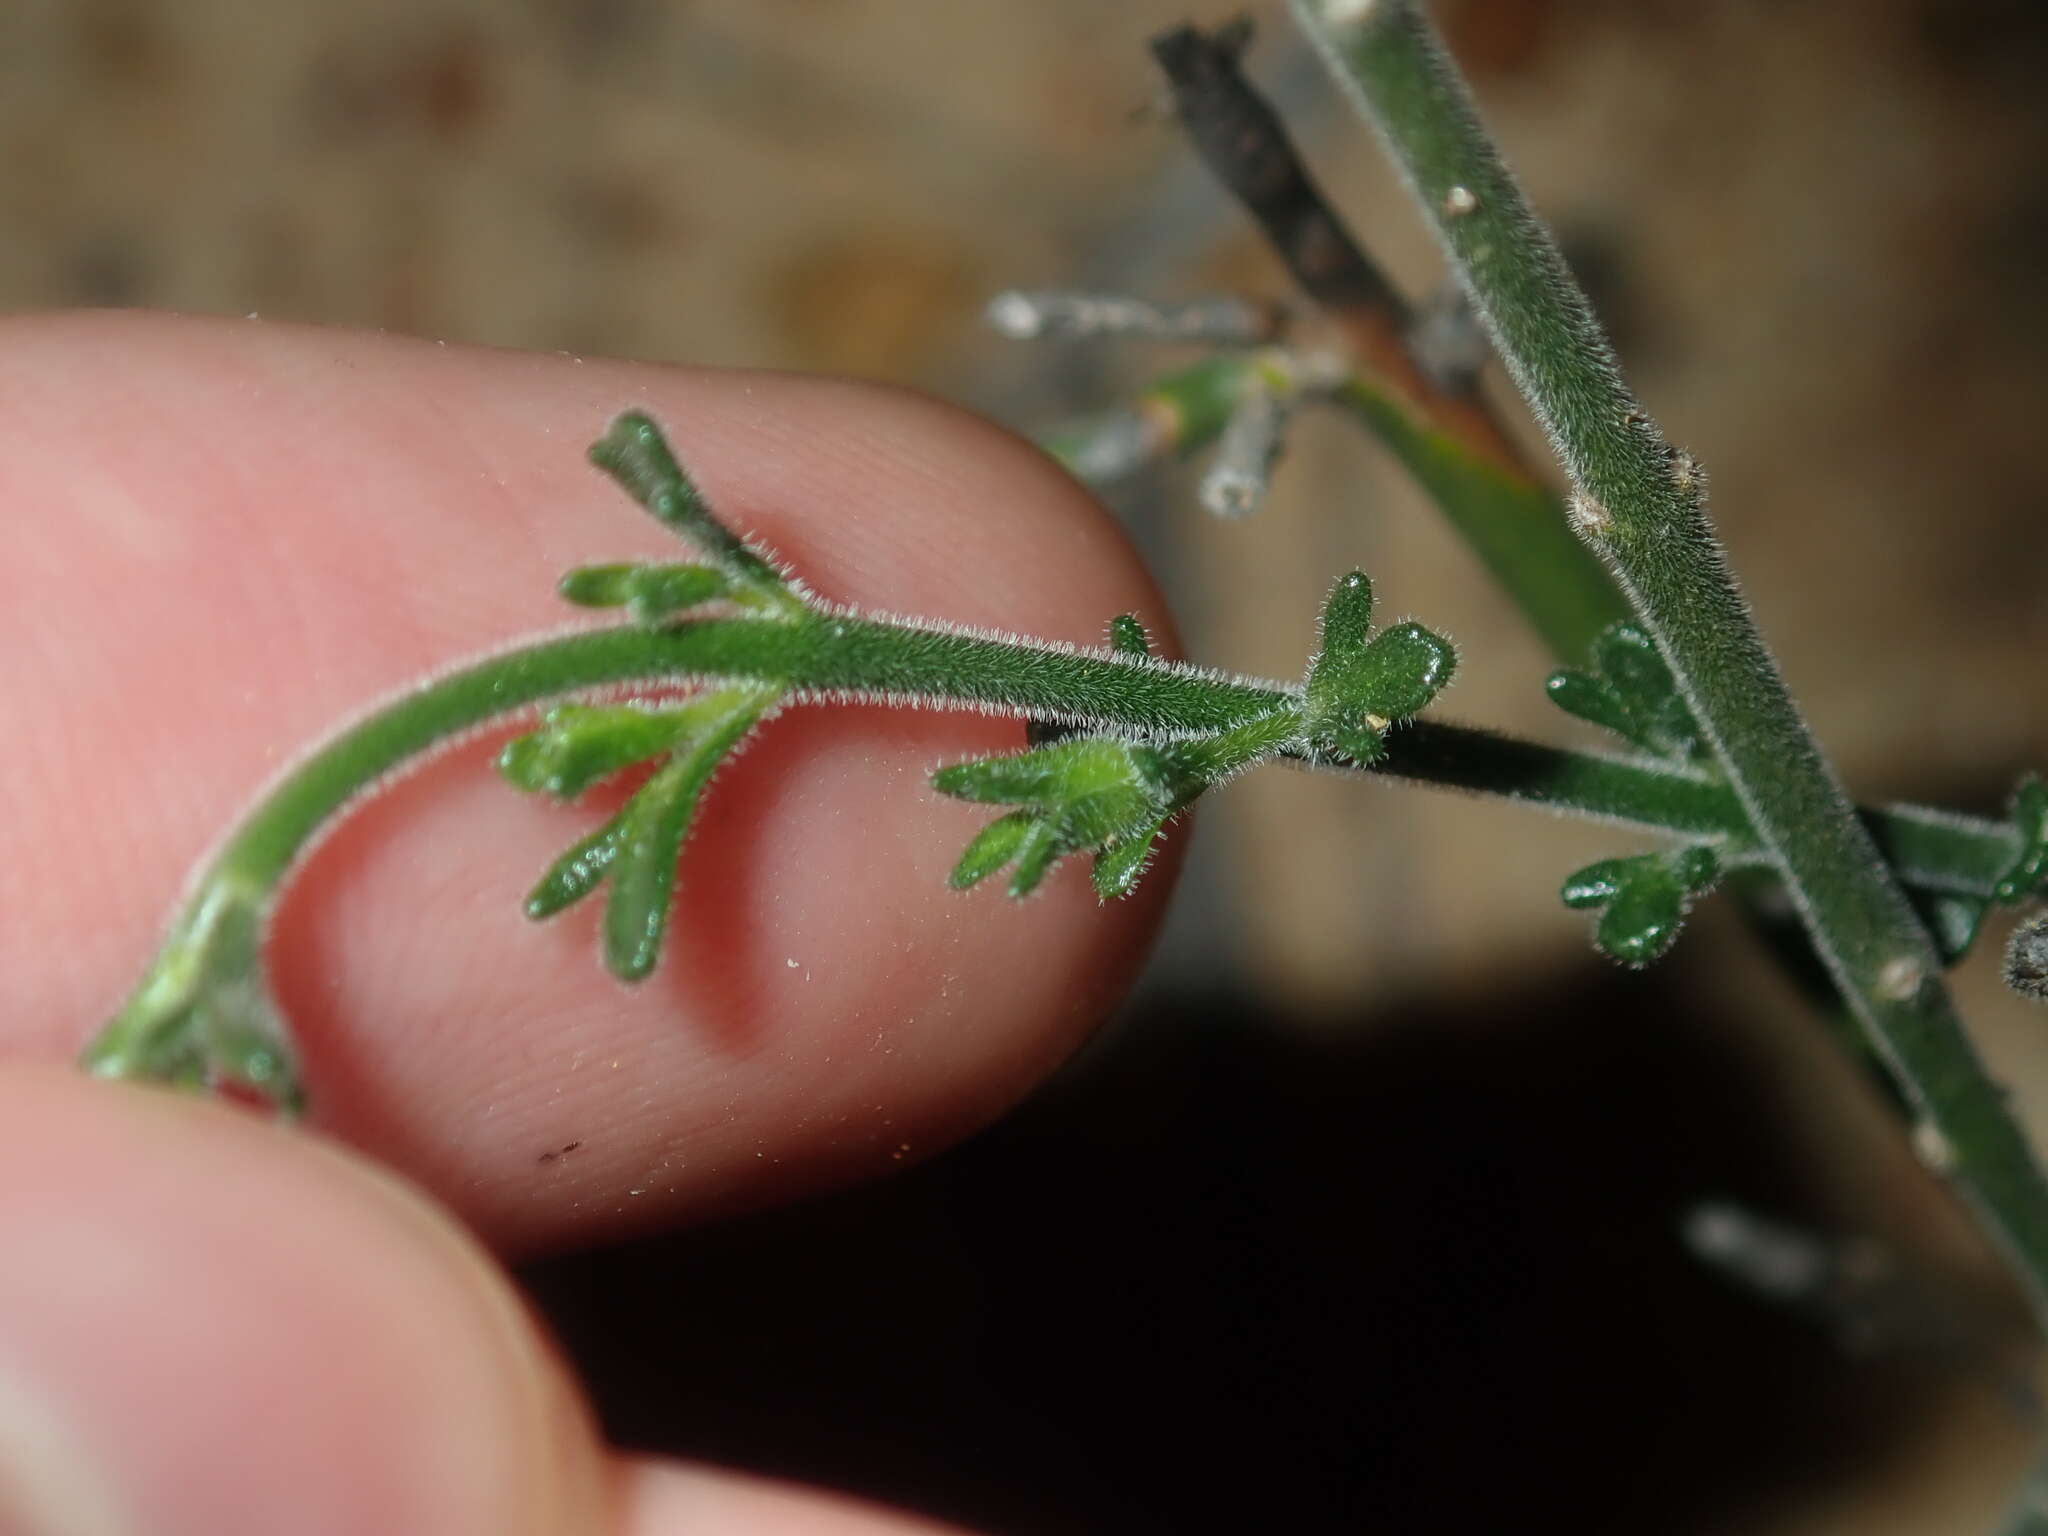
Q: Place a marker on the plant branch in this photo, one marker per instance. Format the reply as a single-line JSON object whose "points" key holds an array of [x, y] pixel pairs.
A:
{"points": [[1641, 505], [202, 1012]]}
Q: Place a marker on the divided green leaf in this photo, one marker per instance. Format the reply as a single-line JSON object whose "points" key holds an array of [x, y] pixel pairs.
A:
{"points": [[637, 849], [1084, 794], [576, 745], [650, 594], [1631, 692], [1642, 901], [1359, 684]]}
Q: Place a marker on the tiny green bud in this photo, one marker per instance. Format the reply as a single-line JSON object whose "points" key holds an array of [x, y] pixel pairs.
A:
{"points": [[993, 847], [1127, 637], [576, 873], [578, 744], [1347, 614], [1119, 866]]}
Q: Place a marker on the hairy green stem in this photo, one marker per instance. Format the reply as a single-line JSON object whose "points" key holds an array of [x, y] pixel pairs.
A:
{"points": [[1641, 506], [202, 1012], [858, 657]]}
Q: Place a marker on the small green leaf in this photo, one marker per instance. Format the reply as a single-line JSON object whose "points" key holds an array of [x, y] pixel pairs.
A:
{"points": [[2030, 816], [1353, 740], [644, 870], [1628, 658], [1347, 615], [597, 586], [1119, 867], [1596, 884], [1629, 691], [1402, 670], [654, 823], [993, 847], [650, 594], [1013, 779], [1590, 698], [1642, 900], [1127, 637], [1642, 921], [634, 453], [1036, 854], [576, 873], [1085, 794], [578, 744], [1077, 771]]}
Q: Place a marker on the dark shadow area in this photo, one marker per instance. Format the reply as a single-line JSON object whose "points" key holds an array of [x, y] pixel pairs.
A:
{"points": [[1419, 1275]]}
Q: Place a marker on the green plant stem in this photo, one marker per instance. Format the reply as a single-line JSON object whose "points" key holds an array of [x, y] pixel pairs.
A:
{"points": [[1641, 506], [202, 1012], [856, 657]]}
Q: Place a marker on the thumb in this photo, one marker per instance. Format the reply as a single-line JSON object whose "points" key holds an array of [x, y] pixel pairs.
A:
{"points": [[209, 1325]]}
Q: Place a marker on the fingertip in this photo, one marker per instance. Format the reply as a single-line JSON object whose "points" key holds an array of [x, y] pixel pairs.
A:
{"points": [[669, 1498], [212, 1326], [293, 524]]}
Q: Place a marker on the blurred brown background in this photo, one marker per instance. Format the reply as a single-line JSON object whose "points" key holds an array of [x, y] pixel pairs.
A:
{"points": [[1816, 228]]}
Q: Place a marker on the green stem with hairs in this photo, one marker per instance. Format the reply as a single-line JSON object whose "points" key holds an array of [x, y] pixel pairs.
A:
{"points": [[1640, 505], [202, 1010]]}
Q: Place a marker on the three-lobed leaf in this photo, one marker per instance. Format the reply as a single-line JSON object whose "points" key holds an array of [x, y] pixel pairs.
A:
{"points": [[1358, 684], [1629, 690]]}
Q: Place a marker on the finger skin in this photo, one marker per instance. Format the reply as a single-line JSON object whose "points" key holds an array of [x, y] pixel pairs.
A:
{"points": [[224, 1329], [226, 537], [667, 1498], [211, 1328]]}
